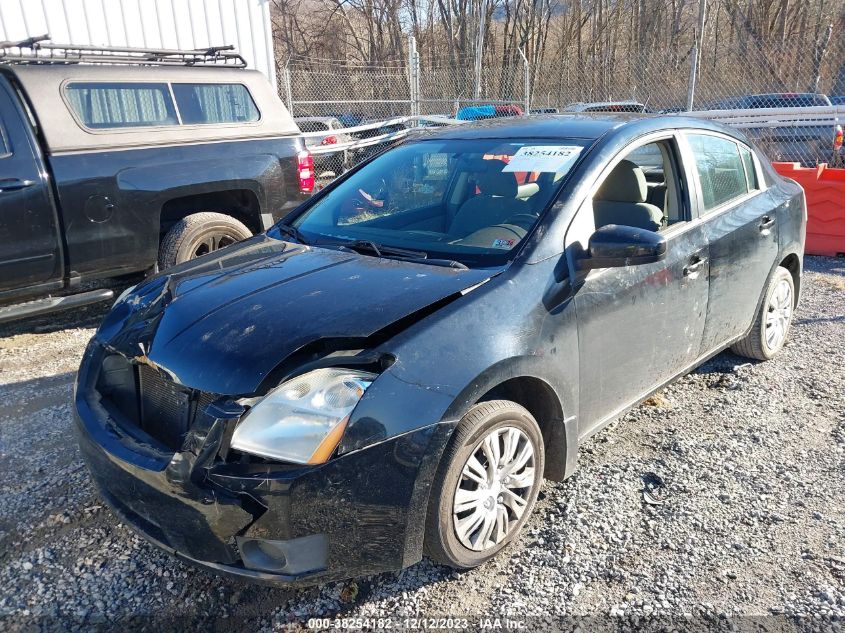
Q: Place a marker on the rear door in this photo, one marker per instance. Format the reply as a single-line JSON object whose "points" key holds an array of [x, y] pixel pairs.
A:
{"points": [[741, 227], [29, 232]]}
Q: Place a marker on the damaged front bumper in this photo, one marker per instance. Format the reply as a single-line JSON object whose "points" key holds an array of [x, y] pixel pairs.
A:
{"points": [[358, 514]]}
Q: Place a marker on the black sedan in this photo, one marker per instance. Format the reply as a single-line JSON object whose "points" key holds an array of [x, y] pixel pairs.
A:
{"points": [[393, 369]]}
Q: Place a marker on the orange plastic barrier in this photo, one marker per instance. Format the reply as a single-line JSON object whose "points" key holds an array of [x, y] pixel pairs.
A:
{"points": [[825, 189]]}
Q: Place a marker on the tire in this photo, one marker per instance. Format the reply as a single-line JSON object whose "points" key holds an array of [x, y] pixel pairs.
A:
{"points": [[199, 234], [442, 540], [773, 318]]}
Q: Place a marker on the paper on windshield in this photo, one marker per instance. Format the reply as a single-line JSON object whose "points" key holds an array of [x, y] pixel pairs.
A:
{"points": [[553, 158]]}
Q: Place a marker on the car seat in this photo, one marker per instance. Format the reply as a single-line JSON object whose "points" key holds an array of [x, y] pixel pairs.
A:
{"points": [[621, 199]]}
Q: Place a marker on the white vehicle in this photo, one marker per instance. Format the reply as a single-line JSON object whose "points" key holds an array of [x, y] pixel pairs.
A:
{"points": [[334, 162]]}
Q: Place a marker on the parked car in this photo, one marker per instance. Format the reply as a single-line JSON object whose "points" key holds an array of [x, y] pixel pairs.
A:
{"points": [[606, 106], [805, 142], [479, 112], [784, 100], [394, 368], [728, 103], [335, 162], [117, 168], [545, 110], [365, 152]]}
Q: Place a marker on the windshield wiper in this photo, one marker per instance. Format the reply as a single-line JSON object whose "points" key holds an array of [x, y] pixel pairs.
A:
{"points": [[382, 251], [292, 231], [446, 263], [405, 254]]}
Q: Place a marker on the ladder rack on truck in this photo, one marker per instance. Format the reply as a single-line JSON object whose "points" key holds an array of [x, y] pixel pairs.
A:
{"points": [[38, 50]]}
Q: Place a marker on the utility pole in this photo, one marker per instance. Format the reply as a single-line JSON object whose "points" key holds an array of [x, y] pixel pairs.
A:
{"points": [[696, 53]]}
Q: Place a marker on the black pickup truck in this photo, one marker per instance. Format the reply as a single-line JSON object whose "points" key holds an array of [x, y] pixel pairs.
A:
{"points": [[119, 168]]}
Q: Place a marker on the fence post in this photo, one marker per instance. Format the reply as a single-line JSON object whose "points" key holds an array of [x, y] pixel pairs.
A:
{"points": [[696, 53], [526, 81], [479, 50], [414, 75], [693, 71], [288, 89]]}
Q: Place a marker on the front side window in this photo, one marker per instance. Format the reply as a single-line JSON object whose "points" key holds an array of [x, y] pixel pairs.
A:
{"points": [[120, 105], [214, 103], [472, 201], [720, 169], [642, 190]]}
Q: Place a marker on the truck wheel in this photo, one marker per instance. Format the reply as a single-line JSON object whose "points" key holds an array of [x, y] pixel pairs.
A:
{"points": [[199, 234], [771, 324], [486, 485]]}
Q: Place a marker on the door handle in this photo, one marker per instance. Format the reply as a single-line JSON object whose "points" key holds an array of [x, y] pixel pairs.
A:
{"points": [[14, 184], [694, 267], [766, 223]]}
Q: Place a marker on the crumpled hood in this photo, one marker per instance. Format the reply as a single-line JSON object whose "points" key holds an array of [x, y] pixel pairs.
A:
{"points": [[222, 323]]}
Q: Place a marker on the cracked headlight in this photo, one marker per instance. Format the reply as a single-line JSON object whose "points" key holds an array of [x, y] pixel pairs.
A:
{"points": [[123, 295], [303, 419]]}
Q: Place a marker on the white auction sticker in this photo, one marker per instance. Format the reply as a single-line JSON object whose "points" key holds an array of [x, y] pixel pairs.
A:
{"points": [[553, 158]]}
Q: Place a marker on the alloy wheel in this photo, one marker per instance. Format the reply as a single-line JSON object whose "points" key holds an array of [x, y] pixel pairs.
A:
{"points": [[494, 489], [211, 242], [778, 315]]}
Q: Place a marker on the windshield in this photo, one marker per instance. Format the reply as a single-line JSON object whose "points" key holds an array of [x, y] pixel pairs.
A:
{"points": [[469, 201]]}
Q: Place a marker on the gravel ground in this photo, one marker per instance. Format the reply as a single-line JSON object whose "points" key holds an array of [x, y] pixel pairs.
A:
{"points": [[721, 497]]}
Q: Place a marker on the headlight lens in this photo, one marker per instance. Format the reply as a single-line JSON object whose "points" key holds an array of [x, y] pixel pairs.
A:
{"points": [[123, 295], [303, 419]]}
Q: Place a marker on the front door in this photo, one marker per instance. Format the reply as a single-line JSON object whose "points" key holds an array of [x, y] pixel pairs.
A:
{"points": [[639, 326], [29, 238]]}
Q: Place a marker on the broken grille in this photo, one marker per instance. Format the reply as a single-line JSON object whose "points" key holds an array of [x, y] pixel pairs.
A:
{"points": [[150, 401]]}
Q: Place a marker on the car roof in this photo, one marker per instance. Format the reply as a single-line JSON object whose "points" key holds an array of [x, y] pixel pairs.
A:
{"points": [[788, 94], [315, 119], [575, 126]]}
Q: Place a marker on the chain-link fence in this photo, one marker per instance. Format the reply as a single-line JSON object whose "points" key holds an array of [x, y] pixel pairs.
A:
{"points": [[320, 88], [749, 74]]}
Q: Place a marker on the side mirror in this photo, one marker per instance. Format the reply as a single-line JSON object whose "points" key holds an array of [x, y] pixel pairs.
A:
{"points": [[615, 245]]}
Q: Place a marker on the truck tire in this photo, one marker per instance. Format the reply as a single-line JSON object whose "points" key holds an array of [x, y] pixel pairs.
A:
{"points": [[494, 461], [199, 234], [771, 323]]}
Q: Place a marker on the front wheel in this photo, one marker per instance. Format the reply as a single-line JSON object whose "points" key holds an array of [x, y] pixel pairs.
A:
{"points": [[486, 485], [199, 234], [771, 324]]}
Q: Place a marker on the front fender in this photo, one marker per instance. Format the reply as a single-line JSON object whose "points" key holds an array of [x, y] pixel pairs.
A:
{"points": [[447, 362]]}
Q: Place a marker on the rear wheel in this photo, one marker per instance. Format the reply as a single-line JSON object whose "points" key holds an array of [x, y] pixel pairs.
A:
{"points": [[771, 324], [199, 234], [486, 485]]}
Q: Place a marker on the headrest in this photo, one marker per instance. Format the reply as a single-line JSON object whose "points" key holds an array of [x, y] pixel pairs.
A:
{"points": [[493, 182], [626, 183]]}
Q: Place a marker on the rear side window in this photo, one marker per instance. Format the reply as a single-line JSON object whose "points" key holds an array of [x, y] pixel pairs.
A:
{"points": [[720, 169], [4, 144], [750, 171], [214, 103], [117, 105]]}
